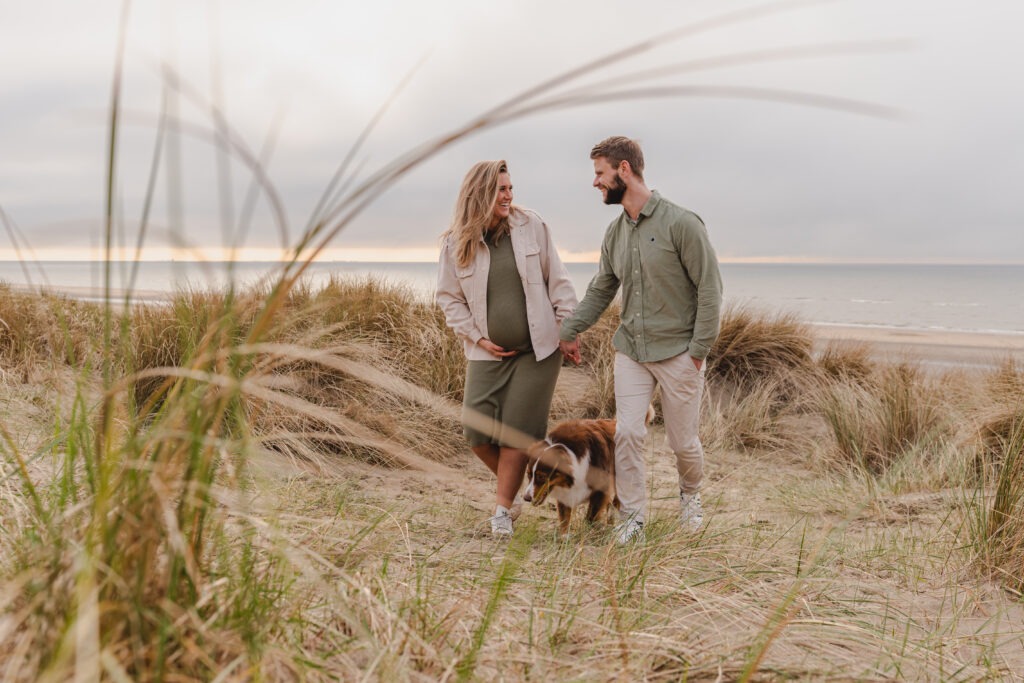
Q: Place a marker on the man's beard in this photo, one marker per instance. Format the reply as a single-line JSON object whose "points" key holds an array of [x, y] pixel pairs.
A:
{"points": [[615, 193]]}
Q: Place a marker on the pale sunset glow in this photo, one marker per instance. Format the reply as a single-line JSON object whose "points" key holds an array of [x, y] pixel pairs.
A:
{"points": [[253, 254]]}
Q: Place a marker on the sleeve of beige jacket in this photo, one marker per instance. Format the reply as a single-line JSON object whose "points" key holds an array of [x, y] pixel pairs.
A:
{"points": [[561, 293], [452, 299]]}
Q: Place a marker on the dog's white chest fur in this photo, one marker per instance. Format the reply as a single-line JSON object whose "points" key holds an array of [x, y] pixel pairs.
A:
{"points": [[580, 491]]}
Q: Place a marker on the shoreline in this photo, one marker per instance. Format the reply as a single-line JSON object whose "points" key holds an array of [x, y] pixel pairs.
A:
{"points": [[981, 350], [95, 294]]}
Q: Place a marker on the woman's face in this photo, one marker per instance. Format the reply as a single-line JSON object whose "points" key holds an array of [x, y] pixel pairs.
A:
{"points": [[503, 203]]}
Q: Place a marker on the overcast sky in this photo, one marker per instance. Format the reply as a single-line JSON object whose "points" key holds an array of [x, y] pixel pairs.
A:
{"points": [[940, 180]]}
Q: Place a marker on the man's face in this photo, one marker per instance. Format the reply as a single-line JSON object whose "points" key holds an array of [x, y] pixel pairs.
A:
{"points": [[606, 179]]}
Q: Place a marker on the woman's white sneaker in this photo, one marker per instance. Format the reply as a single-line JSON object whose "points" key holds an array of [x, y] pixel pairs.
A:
{"points": [[501, 524]]}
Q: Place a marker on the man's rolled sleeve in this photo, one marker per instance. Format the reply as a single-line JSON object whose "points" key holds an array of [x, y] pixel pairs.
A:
{"points": [[600, 293]]}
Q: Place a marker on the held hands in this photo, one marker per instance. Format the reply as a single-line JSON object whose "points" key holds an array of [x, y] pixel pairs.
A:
{"points": [[571, 350], [495, 350]]}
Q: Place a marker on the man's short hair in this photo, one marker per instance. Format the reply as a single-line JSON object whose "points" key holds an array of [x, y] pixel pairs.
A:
{"points": [[617, 149]]}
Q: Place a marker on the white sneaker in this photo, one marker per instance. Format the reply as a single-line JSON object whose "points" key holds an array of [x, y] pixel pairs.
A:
{"points": [[692, 515], [501, 525], [629, 531], [516, 508]]}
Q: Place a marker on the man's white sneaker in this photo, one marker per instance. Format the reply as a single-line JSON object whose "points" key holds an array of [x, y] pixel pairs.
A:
{"points": [[692, 515], [629, 531], [501, 525]]}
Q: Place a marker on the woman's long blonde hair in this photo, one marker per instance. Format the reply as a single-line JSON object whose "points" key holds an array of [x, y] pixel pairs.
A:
{"points": [[474, 208]]}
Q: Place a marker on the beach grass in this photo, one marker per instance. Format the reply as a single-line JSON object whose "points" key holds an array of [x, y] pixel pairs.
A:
{"points": [[268, 512]]}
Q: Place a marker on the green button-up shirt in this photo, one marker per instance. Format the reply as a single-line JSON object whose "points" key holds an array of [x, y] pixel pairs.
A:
{"points": [[671, 286]]}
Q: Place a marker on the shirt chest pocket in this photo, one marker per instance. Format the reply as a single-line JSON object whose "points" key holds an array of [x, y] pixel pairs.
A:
{"points": [[660, 253], [467, 283], [531, 256]]}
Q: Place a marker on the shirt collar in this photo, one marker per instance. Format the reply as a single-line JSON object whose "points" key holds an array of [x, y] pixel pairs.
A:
{"points": [[651, 204], [648, 208]]}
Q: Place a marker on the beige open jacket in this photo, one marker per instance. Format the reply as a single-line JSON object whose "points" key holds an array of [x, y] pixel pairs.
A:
{"points": [[550, 297]]}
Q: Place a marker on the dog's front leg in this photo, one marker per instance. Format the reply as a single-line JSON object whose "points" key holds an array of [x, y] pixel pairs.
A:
{"points": [[598, 502], [564, 515]]}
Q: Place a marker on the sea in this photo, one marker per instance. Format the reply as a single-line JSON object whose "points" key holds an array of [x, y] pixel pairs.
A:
{"points": [[979, 298]]}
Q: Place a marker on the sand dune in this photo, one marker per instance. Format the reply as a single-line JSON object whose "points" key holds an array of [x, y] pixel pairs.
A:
{"points": [[938, 348]]}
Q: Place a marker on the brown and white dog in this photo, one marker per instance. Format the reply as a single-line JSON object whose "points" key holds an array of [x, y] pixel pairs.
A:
{"points": [[575, 464]]}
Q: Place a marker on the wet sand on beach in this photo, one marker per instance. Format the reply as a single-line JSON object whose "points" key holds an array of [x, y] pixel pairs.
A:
{"points": [[95, 294], [938, 348]]}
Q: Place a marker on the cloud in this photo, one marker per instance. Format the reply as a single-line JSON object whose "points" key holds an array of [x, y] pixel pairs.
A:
{"points": [[771, 179]]}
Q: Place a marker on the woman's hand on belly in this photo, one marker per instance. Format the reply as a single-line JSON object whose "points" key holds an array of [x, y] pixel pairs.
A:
{"points": [[495, 350]]}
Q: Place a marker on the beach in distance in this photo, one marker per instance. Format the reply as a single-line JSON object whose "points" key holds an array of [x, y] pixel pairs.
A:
{"points": [[939, 315]]}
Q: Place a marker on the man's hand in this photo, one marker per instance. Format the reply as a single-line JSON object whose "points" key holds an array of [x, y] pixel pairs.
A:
{"points": [[697, 362], [495, 350], [571, 350]]}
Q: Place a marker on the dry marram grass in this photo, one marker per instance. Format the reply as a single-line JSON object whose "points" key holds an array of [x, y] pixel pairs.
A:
{"points": [[278, 514]]}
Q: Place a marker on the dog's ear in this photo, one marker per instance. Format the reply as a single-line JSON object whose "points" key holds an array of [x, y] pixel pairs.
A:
{"points": [[565, 432], [538, 453]]}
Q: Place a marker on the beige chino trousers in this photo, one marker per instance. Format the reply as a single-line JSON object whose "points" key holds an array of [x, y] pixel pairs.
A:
{"points": [[682, 385]]}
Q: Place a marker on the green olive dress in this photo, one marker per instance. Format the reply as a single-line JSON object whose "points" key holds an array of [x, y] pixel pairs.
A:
{"points": [[514, 392]]}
